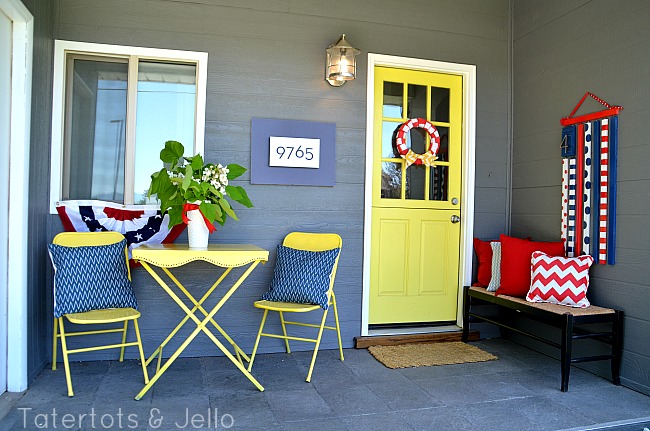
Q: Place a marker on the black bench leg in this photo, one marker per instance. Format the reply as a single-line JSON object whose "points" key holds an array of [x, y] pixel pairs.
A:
{"points": [[567, 339], [617, 347], [465, 314]]}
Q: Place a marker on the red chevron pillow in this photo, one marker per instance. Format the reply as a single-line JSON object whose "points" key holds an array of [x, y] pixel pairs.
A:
{"points": [[559, 280]]}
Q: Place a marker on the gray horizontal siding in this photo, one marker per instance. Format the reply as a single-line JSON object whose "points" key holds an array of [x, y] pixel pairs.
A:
{"points": [[561, 50], [266, 59]]}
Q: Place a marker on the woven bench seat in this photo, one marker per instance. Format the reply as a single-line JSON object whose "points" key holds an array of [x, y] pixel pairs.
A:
{"points": [[569, 319]]}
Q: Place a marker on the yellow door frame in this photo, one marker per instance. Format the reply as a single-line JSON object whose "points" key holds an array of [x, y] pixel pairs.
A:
{"points": [[468, 72]]}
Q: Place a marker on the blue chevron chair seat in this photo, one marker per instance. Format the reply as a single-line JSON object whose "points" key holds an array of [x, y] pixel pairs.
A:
{"points": [[92, 285], [303, 281]]}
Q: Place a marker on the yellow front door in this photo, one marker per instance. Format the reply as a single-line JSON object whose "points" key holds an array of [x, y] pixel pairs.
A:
{"points": [[415, 235]]}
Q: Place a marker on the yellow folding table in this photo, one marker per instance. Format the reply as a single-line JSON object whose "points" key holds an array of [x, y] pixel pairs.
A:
{"points": [[228, 256]]}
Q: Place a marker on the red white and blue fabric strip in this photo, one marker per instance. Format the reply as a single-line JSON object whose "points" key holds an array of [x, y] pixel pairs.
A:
{"points": [[611, 222], [586, 191], [595, 191], [139, 224], [565, 199], [572, 208], [589, 147], [604, 191], [580, 163]]}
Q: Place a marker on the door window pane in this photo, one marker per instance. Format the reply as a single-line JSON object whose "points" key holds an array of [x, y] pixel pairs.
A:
{"points": [[415, 182], [391, 180], [438, 183], [393, 100], [443, 152], [389, 131], [166, 111], [95, 132], [417, 101], [440, 104], [417, 140]]}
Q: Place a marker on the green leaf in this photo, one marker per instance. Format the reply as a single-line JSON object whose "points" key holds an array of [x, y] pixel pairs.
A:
{"points": [[197, 163], [175, 216], [220, 215], [172, 152], [159, 180], [235, 170], [214, 191], [238, 194], [233, 192], [209, 211], [167, 193], [188, 177], [226, 207], [244, 200]]}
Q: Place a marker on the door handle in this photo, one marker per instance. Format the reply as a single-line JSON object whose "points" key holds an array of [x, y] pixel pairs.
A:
{"points": [[455, 219]]}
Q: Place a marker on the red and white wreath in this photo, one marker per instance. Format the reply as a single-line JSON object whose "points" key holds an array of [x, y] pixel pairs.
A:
{"points": [[427, 158]]}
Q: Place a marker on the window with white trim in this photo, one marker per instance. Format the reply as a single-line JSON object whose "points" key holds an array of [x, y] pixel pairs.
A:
{"points": [[113, 109]]}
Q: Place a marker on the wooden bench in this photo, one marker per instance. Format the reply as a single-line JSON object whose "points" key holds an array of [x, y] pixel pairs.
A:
{"points": [[570, 320]]}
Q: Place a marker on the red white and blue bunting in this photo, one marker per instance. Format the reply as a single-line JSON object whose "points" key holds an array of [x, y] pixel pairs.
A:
{"points": [[139, 224], [589, 146]]}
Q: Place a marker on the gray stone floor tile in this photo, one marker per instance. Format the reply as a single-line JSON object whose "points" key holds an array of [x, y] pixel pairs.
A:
{"points": [[605, 404], [322, 424], [549, 416], [369, 370], [496, 415], [518, 391], [497, 386], [452, 391], [173, 413], [403, 395], [379, 421], [436, 418], [279, 372], [348, 401], [251, 410], [178, 383], [296, 405]]}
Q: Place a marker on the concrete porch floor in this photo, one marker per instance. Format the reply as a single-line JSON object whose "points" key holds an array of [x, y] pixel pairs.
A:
{"points": [[519, 391]]}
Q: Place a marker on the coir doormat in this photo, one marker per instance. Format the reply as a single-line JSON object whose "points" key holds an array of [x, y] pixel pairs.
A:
{"points": [[427, 354]]}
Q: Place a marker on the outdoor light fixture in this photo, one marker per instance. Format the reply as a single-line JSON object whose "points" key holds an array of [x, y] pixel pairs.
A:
{"points": [[341, 65]]}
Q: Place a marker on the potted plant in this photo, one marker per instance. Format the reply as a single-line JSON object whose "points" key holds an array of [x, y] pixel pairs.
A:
{"points": [[187, 187]]}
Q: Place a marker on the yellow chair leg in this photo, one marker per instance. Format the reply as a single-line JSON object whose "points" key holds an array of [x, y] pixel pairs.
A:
{"points": [[257, 341], [55, 341], [126, 326], [142, 358], [313, 357], [284, 331], [338, 328], [64, 351]]}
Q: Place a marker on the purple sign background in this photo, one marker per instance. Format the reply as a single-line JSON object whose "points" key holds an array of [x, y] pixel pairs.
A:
{"points": [[262, 173]]}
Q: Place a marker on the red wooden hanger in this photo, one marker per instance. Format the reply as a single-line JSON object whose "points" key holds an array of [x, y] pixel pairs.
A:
{"points": [[611, 110]]}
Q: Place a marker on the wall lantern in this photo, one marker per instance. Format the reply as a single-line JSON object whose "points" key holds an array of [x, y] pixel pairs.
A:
{"points": [[341, 65]]}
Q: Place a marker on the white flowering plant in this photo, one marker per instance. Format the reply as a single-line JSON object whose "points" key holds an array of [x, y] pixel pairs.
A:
{"points": [[188, 180]]}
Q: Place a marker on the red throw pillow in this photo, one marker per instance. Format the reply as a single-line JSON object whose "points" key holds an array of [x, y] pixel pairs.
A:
{"points": [[484, 254], [516, 263]]}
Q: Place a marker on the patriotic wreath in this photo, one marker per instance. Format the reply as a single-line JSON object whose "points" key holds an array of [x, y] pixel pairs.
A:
{"points": [[429, 157]]}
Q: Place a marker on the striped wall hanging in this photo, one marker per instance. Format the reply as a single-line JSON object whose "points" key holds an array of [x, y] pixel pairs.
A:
{"points": [[589, 146]]}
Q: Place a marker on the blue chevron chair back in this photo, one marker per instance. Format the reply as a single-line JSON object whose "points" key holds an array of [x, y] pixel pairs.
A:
{"points": [[103, 304], [327, 247]]}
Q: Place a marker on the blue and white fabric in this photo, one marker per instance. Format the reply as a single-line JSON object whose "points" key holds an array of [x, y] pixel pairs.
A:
{"points": [[90, 278], [302, 276]]}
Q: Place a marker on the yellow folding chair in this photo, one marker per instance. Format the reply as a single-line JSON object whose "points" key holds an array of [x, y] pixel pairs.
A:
{"points": [[94, 316], [316, 242]]}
